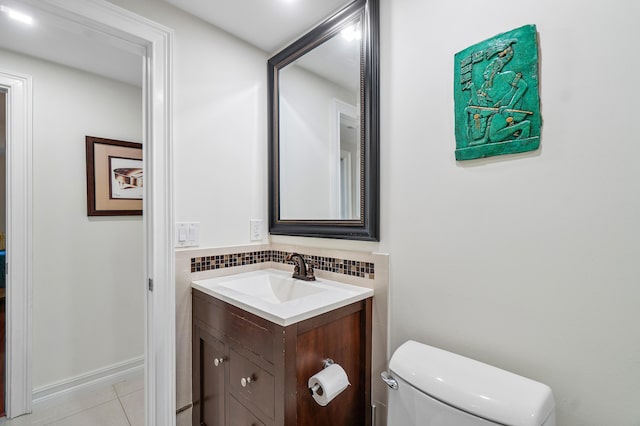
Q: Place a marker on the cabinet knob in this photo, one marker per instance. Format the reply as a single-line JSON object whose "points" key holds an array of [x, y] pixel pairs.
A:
{"points": [[218, 361], [246, 381]]}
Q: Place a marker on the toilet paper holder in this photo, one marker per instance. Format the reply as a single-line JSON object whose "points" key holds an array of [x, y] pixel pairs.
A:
{"points": [[317, 388], [327, 362], [328, 383]]}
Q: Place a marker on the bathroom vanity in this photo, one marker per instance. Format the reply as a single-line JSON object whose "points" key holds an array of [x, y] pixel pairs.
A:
{"points": [[251, 363]]}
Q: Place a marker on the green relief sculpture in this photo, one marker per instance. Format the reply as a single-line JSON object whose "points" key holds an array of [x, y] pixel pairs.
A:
{"points": [[497, 103]]}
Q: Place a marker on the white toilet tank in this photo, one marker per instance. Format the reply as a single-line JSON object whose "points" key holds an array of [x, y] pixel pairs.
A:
{"points": [[439, 388]]}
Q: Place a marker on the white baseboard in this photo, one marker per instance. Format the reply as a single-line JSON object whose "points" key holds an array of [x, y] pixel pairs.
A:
{"points": [[102, 377]]}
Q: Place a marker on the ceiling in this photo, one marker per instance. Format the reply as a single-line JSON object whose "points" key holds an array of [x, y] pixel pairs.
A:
{"points": [[58, 40], [268, 24]]}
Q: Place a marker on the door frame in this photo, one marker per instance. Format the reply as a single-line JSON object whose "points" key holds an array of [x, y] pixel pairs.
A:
{"points": [[18, 243], [156, 41]]}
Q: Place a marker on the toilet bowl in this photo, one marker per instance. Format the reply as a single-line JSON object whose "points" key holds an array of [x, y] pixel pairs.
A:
{"points": [[433, 387]]}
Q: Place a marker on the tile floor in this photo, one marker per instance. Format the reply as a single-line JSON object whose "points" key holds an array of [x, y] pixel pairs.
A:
{"points": [[121, 404]]}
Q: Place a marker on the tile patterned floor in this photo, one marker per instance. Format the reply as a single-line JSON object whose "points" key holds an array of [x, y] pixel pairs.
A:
{"points": [[119, 405]]}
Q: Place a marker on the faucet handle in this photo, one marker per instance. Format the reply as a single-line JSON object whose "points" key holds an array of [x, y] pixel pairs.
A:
{"points": [[310, 274]]}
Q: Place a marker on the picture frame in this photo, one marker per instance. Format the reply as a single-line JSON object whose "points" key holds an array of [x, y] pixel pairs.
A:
{"points": [[115, 177]]}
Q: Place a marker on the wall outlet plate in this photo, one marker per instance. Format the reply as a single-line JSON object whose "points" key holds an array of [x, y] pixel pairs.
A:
{"points": [[255, 226]]}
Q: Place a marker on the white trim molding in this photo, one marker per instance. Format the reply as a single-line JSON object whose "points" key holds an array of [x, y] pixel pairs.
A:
{"points": [[106, 376], [156, 41], [19, 240], [338, 109]]}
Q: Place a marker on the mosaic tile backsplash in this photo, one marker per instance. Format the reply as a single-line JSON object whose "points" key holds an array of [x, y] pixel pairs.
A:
{"points": [[354, 268]]}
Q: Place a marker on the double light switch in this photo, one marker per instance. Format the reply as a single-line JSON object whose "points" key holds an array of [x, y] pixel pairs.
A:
{"points": [[187, 234]]}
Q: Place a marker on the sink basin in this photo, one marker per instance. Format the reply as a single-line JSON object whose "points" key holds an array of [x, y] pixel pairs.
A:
{"points": [[276, 296], [272, 288]]}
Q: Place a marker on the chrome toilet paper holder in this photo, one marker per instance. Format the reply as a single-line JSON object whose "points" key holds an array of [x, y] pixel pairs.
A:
{"points": [[327, 362], [317, 388]]}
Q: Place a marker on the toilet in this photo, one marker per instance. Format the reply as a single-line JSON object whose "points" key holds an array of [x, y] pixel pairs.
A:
{"points": [[433, 387]]}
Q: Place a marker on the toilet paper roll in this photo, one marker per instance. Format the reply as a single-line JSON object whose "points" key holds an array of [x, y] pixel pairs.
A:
{"points": [[328, 383]]}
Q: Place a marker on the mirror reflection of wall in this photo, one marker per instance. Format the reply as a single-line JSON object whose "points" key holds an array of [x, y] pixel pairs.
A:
{"points": [[319, 95]]}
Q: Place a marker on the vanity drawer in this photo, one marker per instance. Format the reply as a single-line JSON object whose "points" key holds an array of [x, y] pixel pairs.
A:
{"points": [[212, 314], [240, 416], [252, 385], [250, 331]]}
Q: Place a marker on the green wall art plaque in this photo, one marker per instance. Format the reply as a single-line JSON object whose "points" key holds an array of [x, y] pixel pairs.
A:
{"points": [[497, 101]]}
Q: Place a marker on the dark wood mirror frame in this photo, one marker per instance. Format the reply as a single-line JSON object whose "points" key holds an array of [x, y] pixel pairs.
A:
{"points": [[367, 226]]}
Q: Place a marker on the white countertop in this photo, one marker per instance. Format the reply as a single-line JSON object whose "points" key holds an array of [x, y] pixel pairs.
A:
{"points": [[275, 296]]}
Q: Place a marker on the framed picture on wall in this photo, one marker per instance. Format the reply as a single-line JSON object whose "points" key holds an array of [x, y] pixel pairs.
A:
{"points": [[115, 177]]}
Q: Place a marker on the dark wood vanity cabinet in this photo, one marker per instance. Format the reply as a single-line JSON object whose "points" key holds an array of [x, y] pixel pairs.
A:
{"points": [[248, 371], [211, 378]]}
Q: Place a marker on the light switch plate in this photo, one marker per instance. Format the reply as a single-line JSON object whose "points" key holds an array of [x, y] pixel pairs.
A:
{"points": [[187, 234]]}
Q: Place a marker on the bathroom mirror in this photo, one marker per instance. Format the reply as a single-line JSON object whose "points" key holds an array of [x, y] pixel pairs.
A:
{"points": [[323, 129]]}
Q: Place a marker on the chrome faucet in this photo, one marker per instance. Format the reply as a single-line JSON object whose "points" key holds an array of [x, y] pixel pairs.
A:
{"points": [[302, 270]]}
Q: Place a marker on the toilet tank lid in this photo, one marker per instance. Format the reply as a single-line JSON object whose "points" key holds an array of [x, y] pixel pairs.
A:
{"points": [[473, 386]]}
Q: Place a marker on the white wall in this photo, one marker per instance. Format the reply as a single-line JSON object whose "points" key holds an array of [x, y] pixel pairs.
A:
{"points": [[88, 288], [528, 262], [220, 133]]}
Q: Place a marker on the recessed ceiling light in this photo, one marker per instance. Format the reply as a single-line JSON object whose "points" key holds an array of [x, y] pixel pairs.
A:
{"points": [[18, 16], [352, 32]]}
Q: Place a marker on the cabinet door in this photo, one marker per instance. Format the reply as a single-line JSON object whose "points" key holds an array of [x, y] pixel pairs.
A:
{"points": [[209, 361]]}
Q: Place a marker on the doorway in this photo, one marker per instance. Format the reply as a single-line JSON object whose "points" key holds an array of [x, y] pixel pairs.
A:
{"points": [[155, 41]]}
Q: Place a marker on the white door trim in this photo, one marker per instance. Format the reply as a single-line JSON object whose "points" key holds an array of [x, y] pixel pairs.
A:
{"points": [[338, 109], [157, 43], [19, 244]]}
